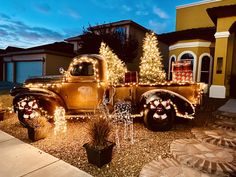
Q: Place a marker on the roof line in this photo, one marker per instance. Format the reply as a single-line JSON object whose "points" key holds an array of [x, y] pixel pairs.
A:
{"points": [[33, 51], [196, 3]]}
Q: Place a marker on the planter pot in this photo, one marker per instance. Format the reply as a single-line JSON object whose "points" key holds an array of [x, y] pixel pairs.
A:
{"points": [[2, 115], [36, 134], [99, 157]]}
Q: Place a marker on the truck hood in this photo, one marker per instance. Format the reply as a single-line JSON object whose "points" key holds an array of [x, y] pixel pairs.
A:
{"points": [[45, 79]]}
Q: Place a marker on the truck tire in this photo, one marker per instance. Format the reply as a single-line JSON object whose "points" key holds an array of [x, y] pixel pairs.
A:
{"points": [[159, 118], [25, 108]]}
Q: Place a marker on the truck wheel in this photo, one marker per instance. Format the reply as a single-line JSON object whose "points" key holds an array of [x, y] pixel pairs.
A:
{"points": [[27, 107], [159, 115]]}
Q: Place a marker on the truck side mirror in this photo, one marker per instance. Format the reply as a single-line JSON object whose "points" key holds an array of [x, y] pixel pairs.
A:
{"points": [[61, 70]]}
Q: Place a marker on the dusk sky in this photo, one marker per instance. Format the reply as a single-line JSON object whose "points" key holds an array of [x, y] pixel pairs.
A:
{"points": [[28, 23]]}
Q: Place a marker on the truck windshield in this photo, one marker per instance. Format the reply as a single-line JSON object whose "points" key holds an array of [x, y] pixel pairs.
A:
{"points": [[82, 69]]}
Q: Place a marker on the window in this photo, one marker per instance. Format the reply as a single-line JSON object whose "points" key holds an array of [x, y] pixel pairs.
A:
{"points": [[121, 31], [189, 56], [205, 69], [172, 59], [82, 69]]}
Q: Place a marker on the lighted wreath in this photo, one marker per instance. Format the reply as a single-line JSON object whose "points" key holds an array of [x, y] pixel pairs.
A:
{"points": [[30, 108]]}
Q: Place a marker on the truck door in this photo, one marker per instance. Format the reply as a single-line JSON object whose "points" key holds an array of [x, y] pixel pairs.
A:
{"points": [[80, 90]]}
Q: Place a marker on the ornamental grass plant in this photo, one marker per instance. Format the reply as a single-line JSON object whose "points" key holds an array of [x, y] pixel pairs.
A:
{"points": [[99, 131], [38, 122]]}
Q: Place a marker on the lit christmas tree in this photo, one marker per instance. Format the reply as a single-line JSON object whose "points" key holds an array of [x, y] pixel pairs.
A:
{"points": [[116, 68], [151, 67]]}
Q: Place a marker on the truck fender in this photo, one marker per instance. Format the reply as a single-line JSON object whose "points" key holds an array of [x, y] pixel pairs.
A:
{"points": [[182, 106], [48, 100]]}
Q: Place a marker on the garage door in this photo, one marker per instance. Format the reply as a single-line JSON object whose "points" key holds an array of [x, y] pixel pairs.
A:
{"points": [[9, 72], [28, 69]]}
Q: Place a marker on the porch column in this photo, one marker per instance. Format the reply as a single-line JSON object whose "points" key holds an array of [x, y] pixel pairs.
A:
{"points": [[218, 88]]}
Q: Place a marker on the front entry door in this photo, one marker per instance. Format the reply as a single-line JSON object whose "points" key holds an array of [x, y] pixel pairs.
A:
{"points": [[232, 90]]}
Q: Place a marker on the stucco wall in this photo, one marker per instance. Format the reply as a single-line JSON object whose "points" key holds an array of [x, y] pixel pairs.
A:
{"points": [[196, 16], [198, 51]]}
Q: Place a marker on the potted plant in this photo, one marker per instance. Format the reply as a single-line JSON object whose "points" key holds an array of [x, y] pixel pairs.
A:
{"points": [[37, 127], [2, 112], [99, 148]]}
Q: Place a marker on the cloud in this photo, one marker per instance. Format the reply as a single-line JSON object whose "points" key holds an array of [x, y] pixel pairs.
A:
{"points": [[141, 13], [73, 13], [157, 26], [14, 33], [44, 8], [70, 12], [141, 9], [126, 8], [4, 16], [107, 4], [3, 32], [160, 13]]}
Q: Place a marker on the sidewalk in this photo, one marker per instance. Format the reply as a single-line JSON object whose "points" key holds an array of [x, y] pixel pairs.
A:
{"points": [[229, 106], [21, 159]]}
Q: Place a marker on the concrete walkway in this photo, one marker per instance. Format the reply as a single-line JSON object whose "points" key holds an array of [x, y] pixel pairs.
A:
{"points": [[21, 159], [229, 106]]}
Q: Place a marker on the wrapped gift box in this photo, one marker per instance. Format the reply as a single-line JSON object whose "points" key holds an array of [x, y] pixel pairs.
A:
{"points": [[131, 77]]}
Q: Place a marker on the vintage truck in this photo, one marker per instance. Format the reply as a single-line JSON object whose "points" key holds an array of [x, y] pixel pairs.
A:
{"points": [[84, 85]]}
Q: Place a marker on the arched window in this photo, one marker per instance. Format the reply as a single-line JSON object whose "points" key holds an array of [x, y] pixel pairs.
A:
{"points": [[187, 56], [204, 69], [172, 59], [190, 56]]}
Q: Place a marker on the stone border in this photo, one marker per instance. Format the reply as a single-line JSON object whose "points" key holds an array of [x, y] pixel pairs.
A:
{"points": [[204, 156], [216, 137], [169, 168]]}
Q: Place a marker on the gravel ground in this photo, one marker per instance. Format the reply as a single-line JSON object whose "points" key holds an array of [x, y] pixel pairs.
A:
{"points": [[128, 159]]}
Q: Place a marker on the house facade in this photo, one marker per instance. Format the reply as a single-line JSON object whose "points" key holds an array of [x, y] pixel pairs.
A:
{"points": [[129, 28], [205, 35], [20, 64], [1, 64]]}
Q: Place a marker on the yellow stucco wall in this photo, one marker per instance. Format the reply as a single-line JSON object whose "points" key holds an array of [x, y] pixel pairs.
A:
{"points": [[223, 24], [198, 51], [224, 48], [196, 16], [229, 61], [54, 62]]}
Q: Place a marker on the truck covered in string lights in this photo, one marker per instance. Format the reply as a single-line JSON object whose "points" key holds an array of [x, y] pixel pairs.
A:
{"points": [[84, 85]]}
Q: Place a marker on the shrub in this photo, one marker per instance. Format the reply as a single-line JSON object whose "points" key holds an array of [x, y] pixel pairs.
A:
{"points": [[99, 131]]}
